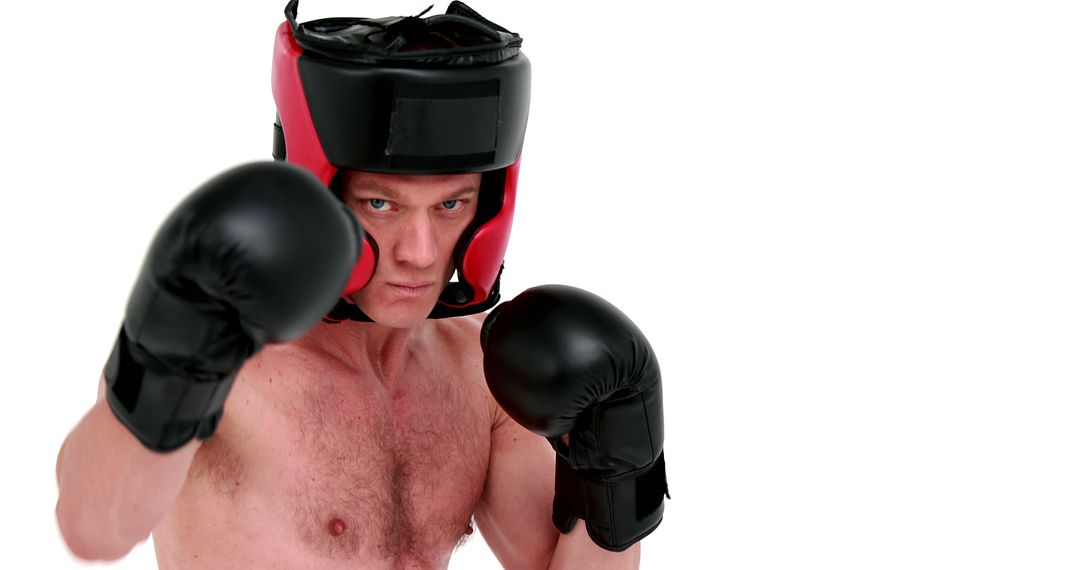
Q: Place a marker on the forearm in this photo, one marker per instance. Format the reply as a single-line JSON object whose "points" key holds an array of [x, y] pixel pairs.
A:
{"points": [[113, 490], [577, 550]]}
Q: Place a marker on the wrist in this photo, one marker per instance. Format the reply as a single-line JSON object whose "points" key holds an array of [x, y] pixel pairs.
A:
{"points": [[618, 509], [163, 409]]}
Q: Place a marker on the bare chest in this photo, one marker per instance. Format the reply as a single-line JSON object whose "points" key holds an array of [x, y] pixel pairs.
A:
{"points": [[345, 469]]}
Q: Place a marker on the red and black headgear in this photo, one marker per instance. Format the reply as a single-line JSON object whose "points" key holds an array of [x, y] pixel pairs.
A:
{"points": [[410, 95]]}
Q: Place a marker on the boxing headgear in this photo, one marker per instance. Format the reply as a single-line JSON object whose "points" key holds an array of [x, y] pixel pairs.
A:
{"points": [[410, 95]]}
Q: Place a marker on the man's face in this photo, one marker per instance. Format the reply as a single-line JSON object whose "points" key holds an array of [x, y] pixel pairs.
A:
{"points": [[416, 220]]}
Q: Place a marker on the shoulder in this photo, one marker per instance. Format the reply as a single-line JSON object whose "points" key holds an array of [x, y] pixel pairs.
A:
{"points": [[315, 349], [460, 337], [282, 371], [465, 329]]}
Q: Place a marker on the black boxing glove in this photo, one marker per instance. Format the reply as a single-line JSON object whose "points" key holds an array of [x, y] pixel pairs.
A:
{"points": [[257, 254], [561, 360]]}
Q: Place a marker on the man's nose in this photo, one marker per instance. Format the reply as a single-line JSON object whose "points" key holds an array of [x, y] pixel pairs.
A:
{"points": [[416, 244]]}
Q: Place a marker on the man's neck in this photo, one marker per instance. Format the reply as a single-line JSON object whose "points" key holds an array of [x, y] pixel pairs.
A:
{"points": [[384, 350]]}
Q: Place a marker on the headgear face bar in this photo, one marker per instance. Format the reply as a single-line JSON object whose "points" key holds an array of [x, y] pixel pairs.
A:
{"points": [[410, 95]]}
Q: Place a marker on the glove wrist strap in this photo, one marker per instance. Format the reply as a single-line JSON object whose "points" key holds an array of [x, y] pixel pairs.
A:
{"points": [[618, 511], [162, 409]]}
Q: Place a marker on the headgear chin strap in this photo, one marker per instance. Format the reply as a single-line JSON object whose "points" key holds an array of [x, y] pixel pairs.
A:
{"points": [[444, 94]]}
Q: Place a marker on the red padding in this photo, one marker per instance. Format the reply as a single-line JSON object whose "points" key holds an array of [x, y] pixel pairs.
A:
{"points": [[484, 256], [302, 146]]}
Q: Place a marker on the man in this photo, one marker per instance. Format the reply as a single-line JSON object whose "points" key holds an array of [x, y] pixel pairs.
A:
{"points": [[370, 439]]}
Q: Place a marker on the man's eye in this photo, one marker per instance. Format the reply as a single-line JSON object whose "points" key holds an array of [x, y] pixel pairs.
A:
{"points": [[378, 205], [452, 205]]}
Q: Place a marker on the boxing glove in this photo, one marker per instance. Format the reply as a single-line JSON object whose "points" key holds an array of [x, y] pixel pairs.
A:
{"points": [[257, 254], [561, 360]]}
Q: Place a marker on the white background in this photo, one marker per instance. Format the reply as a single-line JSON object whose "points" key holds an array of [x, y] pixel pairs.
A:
{"points": [[849, 228]]}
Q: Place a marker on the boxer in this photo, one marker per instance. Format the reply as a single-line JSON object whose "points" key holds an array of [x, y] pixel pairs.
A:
{"points": [[244, 431]]}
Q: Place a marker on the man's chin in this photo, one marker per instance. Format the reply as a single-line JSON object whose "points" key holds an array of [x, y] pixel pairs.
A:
{"points": [[401, 314]]}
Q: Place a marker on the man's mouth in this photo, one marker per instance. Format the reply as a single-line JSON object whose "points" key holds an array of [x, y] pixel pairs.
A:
{"points": [[411, 288]]}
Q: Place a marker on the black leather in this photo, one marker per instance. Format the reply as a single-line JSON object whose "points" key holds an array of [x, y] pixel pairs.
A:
{"points": [[257, 254], [561, 360], [460, 37]]}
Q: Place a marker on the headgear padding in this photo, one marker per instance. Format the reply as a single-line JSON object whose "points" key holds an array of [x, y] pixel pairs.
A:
{"points": [[411, 95]]}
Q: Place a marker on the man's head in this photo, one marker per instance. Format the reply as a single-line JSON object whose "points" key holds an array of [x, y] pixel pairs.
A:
{"points": [[416, 220], [361, 100]]}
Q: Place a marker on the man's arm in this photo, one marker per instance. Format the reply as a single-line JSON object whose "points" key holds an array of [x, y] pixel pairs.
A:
{"points": [[113, 490], [257, 254], [573, 369], [514, 513]]}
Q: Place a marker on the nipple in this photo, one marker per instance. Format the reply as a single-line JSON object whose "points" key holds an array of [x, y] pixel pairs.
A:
{"points": [[336, 526]]}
